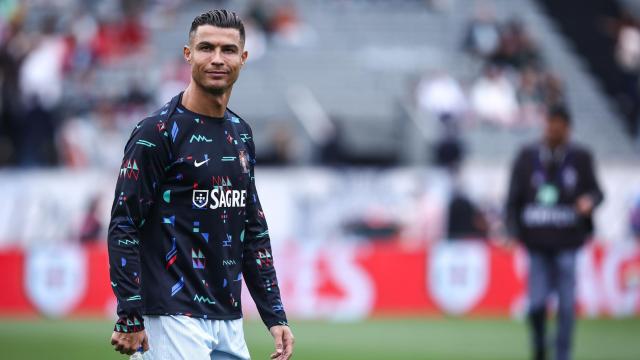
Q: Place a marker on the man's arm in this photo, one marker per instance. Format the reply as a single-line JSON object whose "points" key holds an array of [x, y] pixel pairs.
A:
{"points": [[259, 271], [591, 195], [515, 197], [257, 266], [145, 157]]}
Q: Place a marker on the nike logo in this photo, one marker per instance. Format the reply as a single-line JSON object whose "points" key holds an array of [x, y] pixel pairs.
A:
{"points": [[198, 164]]}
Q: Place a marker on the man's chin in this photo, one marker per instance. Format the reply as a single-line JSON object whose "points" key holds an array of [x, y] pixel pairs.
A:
{"points": [[215, 89]]}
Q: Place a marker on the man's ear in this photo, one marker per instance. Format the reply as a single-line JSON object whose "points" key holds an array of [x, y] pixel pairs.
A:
{"points": [[186, 52], [245, 55]]}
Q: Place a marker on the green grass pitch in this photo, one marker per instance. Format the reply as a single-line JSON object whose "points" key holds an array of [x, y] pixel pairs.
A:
{"points": [[385, 338]]}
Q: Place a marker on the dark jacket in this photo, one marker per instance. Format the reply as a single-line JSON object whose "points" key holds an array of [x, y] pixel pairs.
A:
{"points": [[543, 191]]}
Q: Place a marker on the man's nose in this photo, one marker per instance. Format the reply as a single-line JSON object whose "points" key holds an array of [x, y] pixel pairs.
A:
{"points": [[216, 58]]}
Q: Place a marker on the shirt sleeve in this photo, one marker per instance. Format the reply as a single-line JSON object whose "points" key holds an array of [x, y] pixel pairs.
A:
{"points": [[257, 266], [515, 197], [592, 187], [146, 155]]}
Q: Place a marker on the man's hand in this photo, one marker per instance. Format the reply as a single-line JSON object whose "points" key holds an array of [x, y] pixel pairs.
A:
{"points": [[509, 243], [584, 205], [283, 338], [129, 343]]}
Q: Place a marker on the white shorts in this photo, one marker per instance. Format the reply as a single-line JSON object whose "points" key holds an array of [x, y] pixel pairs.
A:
{"points": [[175, 337]]}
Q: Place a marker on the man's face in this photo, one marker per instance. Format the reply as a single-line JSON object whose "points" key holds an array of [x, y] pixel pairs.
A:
{"points": [[556, 131], [216, 56]]}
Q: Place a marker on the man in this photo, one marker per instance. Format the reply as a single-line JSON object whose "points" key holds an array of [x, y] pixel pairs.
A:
{"points": [[186, 224], [552, 195]]}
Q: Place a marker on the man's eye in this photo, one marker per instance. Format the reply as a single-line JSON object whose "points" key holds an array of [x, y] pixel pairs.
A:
{"points": [[229, 51]]}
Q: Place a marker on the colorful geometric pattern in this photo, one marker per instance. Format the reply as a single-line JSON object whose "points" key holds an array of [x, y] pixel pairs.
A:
{"points": [[129, 324], [173, 162], [130, 169], [172, 254], [197, 259], [263, 258]]}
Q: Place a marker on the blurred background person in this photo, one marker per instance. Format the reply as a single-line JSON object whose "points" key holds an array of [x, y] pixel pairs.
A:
{"points": [[466, 221], [493, 98], [441, 95], [40, 78], [552, 194], [91, 226], [482, 36]]}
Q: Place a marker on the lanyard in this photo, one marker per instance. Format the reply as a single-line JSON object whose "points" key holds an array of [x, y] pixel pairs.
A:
{"points": [[542, 170]]}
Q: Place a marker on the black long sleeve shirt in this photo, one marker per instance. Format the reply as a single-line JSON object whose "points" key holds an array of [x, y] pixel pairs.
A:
{"points": [[186, 224], [543, 191]]}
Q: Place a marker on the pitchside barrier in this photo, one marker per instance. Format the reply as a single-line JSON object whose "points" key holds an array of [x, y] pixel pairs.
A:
{"points": [[344, 281]]}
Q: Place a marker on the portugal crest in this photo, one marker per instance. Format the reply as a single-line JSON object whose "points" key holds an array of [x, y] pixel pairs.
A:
{"points": [[56, 279], [200, 198], [458, 275], [244, 161]]}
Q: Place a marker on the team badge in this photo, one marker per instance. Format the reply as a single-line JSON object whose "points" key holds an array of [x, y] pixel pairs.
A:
{"points": [[244, 161], [200, 198]]}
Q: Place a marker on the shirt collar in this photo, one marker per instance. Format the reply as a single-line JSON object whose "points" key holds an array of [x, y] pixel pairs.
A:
{"points": [[556, 155]]}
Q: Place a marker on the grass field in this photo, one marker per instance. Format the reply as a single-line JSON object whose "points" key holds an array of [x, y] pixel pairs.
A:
{"points": [[425, 338]]}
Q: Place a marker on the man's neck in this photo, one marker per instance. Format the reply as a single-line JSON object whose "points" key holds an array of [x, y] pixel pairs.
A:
{"points": [[553, 151], [555, 146], [202, 102]]}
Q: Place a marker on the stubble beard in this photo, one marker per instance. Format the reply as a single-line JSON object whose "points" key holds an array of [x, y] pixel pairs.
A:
{"points": [[213, 90]]}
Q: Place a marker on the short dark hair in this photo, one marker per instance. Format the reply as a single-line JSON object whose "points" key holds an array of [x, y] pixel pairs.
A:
{"points": [[559, 111], [220, 18]]}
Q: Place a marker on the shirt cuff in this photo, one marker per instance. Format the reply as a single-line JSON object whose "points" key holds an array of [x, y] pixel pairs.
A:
{"points": [[276, 322], [129, 324]]}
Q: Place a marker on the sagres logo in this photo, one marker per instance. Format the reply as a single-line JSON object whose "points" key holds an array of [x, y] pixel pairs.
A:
{"points": [[220, 198]]}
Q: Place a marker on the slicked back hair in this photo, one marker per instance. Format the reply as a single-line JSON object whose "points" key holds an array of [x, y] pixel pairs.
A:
{"points": [[219, 18]]}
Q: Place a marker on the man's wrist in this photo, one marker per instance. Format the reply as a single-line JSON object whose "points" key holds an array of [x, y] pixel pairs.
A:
{"points": [[277, 323], [129, 324]]}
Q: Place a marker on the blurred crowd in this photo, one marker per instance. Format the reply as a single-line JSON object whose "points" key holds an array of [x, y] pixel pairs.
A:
{"points": [[50, 62], [625, 32], [510, 86], [513, 87], [75, 76]]}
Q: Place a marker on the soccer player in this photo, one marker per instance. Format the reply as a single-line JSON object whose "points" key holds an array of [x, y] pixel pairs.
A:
{"points": [[552, 195], [186, 224]]}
